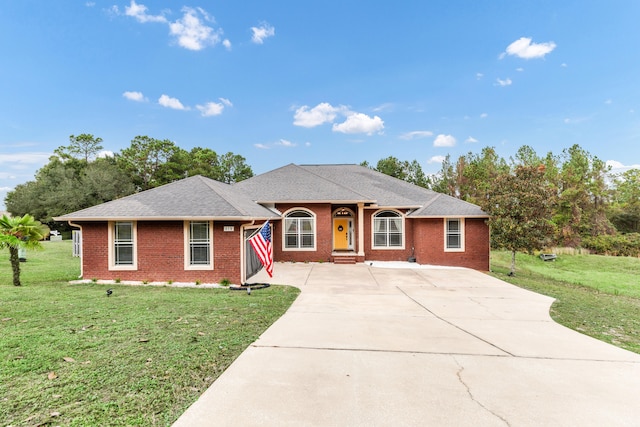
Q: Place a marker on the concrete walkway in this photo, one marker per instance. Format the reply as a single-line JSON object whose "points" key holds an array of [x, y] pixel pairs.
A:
{"points": [[373, 346]]}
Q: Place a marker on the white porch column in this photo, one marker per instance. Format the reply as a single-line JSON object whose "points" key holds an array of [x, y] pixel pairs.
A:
{"points": [[360, 229]]}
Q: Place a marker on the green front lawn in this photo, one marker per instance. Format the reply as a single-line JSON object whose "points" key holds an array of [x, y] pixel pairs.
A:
{"points": [[70, 355], [596, 295]]}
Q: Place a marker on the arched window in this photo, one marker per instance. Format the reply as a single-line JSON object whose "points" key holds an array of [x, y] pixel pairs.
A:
{"points": [[299, 230], [388, 230]]}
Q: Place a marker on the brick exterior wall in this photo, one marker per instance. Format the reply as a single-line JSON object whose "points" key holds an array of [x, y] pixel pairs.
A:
{"points": [[424, 239], [324, 235], [428, 236], [160, 249], [386, 254]]}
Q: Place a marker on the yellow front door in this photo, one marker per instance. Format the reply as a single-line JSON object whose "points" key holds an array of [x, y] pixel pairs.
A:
{"points": [[340, 234]]}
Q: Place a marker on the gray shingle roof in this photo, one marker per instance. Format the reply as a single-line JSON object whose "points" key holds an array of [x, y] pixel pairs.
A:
{"points": [[294, 183], [204, 198], [443, 205], [193, 197], [352, 183]]}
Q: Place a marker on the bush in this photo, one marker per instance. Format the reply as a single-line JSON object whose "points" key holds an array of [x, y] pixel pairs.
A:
{"points": [[620, 245]]}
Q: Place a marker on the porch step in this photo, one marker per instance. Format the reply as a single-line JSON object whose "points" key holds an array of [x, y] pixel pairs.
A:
{"points": [[344, 260]]}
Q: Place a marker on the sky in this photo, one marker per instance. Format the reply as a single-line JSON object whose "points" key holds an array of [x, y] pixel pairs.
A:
{"points": [[315, 82]]}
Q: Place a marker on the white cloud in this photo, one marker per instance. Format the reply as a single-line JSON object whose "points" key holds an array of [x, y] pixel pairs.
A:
{"points": [[484, 115], [360, 123], [416, 134], [285, 143], [327, 113], [520, 69], [214, 108], [444, 141], [523, 48], [6, 188], [564, 65], [470, 140], [316, 116], [167, 101], [261, 146], [139, 12], [619, 167], [437, 159], [191, 32], [614, 164], [262, 32], [307, 144], [104, 154], [210, 109], [387, 106], [134, 96], [479, 76], [503, 83]]}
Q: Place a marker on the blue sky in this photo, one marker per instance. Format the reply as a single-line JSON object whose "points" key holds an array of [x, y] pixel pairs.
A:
{"points": [[320, 82]]}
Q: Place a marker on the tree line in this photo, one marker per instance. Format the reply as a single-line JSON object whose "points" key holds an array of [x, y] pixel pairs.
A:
{"points": [[578, 202], [570, 199], [76, 177]]}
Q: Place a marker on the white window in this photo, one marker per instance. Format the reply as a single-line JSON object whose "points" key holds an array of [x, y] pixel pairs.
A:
{"points": [[454, 235], [299, 230], [122, 245], [198, 245], [388, 230]]}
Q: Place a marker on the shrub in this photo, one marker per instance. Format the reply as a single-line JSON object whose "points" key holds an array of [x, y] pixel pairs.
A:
{"points": [[619, 245]]}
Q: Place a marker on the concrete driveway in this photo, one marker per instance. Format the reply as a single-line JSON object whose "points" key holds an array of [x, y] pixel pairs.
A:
{"points": [[377, 346]]}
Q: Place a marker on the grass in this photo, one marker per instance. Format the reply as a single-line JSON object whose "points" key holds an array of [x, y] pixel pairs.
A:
{"points": [[596, 295], [70, 355]]}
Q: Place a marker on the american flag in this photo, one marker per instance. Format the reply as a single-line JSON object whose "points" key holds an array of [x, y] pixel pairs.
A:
{"points": [[261, 243]]}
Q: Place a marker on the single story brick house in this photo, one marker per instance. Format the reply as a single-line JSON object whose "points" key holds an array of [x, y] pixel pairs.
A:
{"points": [[195, 229]]}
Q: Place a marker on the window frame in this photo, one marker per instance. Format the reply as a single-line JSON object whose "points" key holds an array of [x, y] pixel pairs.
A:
{"points": [[286, 218], [113, 265], [375, 218], [460, 233], [188, 242]]}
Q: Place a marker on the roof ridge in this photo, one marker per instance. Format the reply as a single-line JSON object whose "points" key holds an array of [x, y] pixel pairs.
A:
{"points": [[430, 202], [402, 180], [460, 200], [364, 196], [224, 187]]}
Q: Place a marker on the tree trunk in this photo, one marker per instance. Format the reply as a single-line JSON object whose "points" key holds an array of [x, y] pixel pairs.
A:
{"points": [[513, 264], [15, 265]]}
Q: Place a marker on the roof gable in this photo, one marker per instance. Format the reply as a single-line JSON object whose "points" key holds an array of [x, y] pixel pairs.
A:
{"points": [[385, 190], [293, 183]]}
